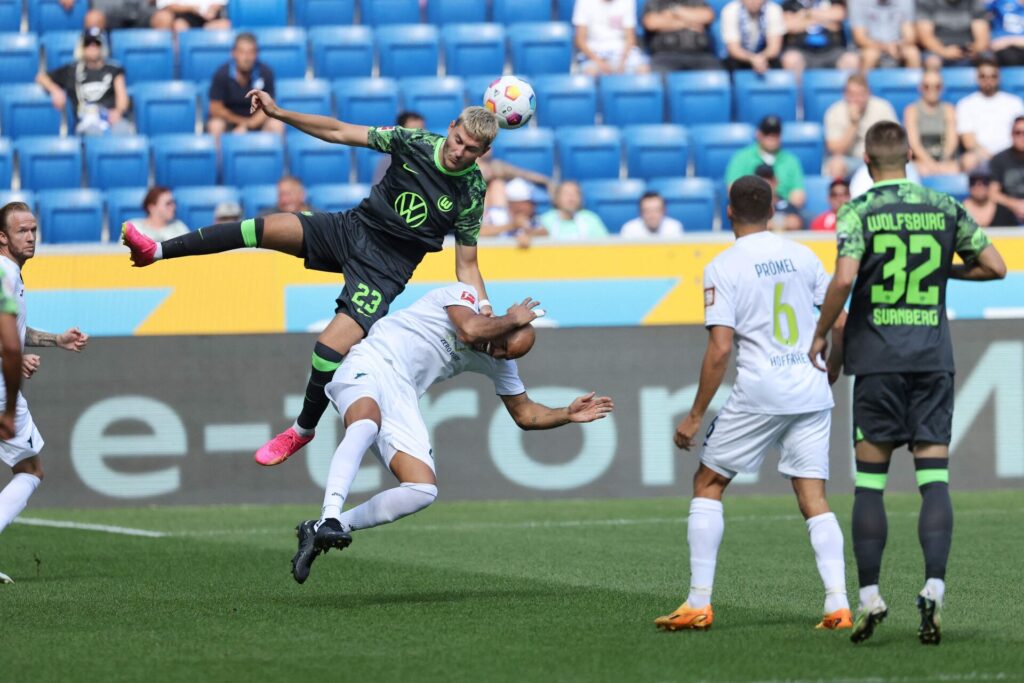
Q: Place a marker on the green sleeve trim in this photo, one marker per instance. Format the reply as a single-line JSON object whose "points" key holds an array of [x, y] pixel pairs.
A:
{"points": [[932, 476], [440, 166], [868, 480], [249, 232], [323, 365]]}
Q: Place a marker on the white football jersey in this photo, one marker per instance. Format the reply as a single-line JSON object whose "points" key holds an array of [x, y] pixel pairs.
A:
{"points": [[15, 288], [766, 288], [421, 344]]}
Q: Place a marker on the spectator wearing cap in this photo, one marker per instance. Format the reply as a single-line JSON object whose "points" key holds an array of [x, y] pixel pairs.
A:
{"points": [[768, 150], [568, 220], [99, 95], [847, 122], [652, 221], [291, 196], [838, 194], [229, 106], [518, 217], [1007, 169], [752, 31], [159, 222], [786, 216], [980, 204]]}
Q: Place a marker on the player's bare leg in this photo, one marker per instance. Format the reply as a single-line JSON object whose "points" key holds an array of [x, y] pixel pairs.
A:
{"points": [[827, 542], [14, 497], [870, 530], [935, 532]]}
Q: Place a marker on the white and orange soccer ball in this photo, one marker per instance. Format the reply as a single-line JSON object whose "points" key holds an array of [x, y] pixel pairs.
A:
{"points": [[512, 100]]}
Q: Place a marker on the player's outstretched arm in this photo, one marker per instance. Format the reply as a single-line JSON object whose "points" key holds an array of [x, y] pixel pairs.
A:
{"points": [[712, 371], [988, 266], [835, 297], [323, 127], [72, 339], [467, 270], [10, 351], [529, 414], [474, 328]]}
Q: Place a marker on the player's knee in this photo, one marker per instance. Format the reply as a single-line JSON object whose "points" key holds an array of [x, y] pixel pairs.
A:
{"points": [[423, 494], [31, 466]]}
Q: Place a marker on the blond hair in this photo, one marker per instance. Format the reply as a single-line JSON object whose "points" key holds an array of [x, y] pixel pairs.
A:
{"points": [[480, 124]]}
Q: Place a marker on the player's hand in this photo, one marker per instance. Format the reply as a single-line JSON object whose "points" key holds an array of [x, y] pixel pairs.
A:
{"points": [[261, 100], [817, 353], [7, 425], [686, 431], [523, 313], [487, 310], [29, 365], [73, 340], [589, 408], [759, 63]]}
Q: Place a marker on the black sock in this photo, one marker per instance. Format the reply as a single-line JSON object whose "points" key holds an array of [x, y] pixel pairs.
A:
{"points": [[325, 361], [214, 239], [935, 523], [870, 526]]}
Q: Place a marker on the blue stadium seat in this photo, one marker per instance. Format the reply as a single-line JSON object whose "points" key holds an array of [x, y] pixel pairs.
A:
{"points": [[184, 159], [313, 161], [48, 15], [60, 47], [958, 83], [203, 52], [324, 13], [122, 204], [164, 107], [714, 144], [955, 184], [307, 95], [565, 100], [529, 148], [717, 43], [252, 159], [440, 100], [253, 13], [203, 91], [284, 50], [899, 86], [408, 50], [456, 11], [474, 49], [258, 198], [336, 198], [805, 139], [564, 10], [586, 152], [6, 163], [821, 89], [10, 15], [26, 109], [49, 163], [698, 97], [145, 54], [541, 47], [366, 163], [656, 151], [816, 188], [19, 57], [381, 12], [70, 216], [366, 101], [117, 161], [722, 200], [509, 11], [1011, 79], [689, 200], [759, 95], [197, 204], [341, 51], [632, 99], [26, 196], [615, 201]]}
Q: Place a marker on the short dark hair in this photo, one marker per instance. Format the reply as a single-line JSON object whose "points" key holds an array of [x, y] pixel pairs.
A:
{"points": [[839, 182], [986, 61], [12, 208], [1017, 120], [153, 195], [750, 198], [405, 116], [651, 195], [885, 143], [245, 36]]}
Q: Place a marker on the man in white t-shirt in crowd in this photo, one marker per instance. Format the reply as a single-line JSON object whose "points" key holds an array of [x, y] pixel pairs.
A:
{"points": [[761, 293], [752, 31], [847, 122], [984, 118], [652, 221], [377, 390], [606, 37]]}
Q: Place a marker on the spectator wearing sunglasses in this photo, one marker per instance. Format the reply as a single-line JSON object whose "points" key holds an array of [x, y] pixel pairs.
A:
{"points": [[980, 204], [931, 129]]}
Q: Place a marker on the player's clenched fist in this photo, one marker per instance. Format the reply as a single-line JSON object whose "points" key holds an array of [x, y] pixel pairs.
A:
{"points": [[686, 431], [261, 100]]}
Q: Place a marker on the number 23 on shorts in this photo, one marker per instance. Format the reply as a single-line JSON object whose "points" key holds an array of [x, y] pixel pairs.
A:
{"points": [[366, 300]]}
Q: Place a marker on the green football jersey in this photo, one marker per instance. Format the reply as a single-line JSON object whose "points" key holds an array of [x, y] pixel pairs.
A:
{"points": [[418, 200], [904, 236]]}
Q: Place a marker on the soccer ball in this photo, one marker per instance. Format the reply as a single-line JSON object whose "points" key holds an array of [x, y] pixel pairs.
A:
{"points": [[512, 100]]}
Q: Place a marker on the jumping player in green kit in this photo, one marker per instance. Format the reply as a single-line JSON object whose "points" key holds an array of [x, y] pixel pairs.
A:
{"points": [[432, 188]]}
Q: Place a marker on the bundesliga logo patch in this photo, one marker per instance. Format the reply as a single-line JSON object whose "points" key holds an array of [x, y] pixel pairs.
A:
{"points": [[466, 296], [709, 297]]}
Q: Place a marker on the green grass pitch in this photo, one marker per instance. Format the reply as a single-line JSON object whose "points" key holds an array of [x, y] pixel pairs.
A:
{"points": [[502, 591]]}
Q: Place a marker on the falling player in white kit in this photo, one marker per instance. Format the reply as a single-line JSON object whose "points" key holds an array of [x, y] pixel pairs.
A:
{"points": [[761, 293], [20, 452], [377, 390]]}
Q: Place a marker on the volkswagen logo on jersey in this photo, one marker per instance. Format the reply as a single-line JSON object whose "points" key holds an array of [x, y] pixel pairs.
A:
{"points": [[411, 207]]}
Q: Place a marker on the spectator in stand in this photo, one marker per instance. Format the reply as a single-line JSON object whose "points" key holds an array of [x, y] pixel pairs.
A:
{"points": [[517, 218], [980, 204], [861, 180], [159, 222], [931, 129], [884, 32], [406, 119], [953, 32], [838, 194], [768, 150], [568, 220], [291, 196], [1007, 170], [814, 36], [652, 221], [984, 118], [113, 14], [677, 35], [606, 37], [1007, 25], [752, 31], [846, 123], [99, 96], [786, 217], [227, 212], [229, 106], [189, 14]]}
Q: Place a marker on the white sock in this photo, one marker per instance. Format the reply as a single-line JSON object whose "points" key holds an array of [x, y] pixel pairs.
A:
{"points": [[868, 594], [388, 506], [936, 588], [345, 464], [827, 541], [159, 253], [303, 432], [15, 495], [704, 529]]}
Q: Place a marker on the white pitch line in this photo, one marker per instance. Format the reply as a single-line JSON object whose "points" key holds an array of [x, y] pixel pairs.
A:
{"points": [[105, 528]]}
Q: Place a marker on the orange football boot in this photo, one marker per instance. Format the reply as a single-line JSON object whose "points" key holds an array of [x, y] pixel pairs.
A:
{"points": [[686, 617], [840, 619]]}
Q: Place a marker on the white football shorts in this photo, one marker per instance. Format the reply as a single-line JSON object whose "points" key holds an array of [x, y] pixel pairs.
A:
{"points": [[28, 442], [365, 375], [738, 442]]}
